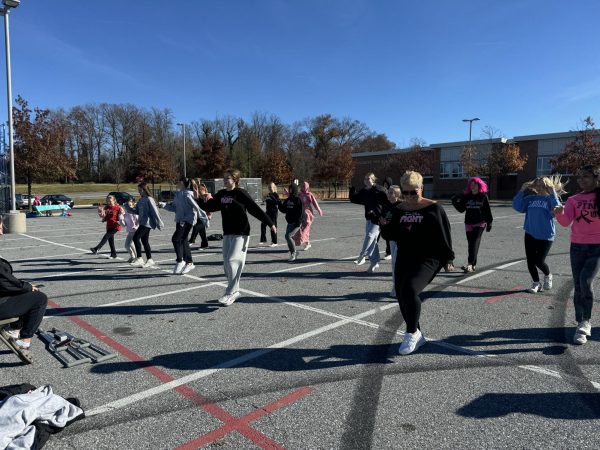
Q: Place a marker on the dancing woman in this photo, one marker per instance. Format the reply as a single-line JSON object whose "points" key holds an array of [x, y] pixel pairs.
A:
{"points": [[478, 217], [234, 204], [537, 199], [582, 213], [110, 214], [201, 195], [148, 219], [373, 198], [309, 202], [272, 209], [421, 230], [293, 209]]}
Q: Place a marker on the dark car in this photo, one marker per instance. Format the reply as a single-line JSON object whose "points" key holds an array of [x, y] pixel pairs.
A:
{"points": [[122, 197], [57, 199]]}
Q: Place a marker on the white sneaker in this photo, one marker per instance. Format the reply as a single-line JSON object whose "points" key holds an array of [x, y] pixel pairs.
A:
{"points": [[223, 299], [584, 327], [535, 287], [307, 246], [387, 257], [188, 268], [178, 267], [292, 257], [360, 261], [273, 245], [579, 338], [137, 262], [411, 342], [231, 298], [12, 333], [548, 282], [373, 267], [149, 264]]}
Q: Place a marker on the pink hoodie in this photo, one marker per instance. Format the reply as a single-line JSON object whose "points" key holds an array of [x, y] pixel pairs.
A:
{"points": [[580, 212]]}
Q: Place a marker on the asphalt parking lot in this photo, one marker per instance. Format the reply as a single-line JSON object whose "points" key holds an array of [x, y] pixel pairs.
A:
{"points": [[306, 358]]}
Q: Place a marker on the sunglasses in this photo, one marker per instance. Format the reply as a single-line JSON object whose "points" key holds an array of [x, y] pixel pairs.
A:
{"points": [[413, 192]]}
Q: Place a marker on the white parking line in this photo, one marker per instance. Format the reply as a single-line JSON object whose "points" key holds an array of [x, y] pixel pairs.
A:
{"points": [[487, 272]]}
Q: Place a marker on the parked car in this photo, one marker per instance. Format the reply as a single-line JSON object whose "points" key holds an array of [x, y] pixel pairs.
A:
{"points": [[57, 199], [22, 201], [122, 197], [167, 196]]}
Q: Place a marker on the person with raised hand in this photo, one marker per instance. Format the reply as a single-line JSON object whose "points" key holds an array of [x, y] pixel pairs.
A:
{"points": [[582, 213]]}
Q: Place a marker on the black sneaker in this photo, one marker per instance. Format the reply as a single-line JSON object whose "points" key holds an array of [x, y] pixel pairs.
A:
{"points": [[94, 250]]}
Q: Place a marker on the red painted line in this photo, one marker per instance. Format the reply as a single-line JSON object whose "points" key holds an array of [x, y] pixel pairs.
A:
{"points": [[497, 298], [241, 425], [219, 413]]}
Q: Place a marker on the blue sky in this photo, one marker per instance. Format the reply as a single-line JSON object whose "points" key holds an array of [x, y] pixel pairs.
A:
{"points": [[409, 69]]}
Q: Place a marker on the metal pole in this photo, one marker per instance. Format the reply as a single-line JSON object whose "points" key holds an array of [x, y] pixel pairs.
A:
{"points": [[184, 162], [13, 203], [470, 128]]}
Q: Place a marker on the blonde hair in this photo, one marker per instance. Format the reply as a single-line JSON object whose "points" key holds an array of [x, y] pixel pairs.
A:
{"points": [[395, 191], [411, 178], [273, 187], [545, 185]]}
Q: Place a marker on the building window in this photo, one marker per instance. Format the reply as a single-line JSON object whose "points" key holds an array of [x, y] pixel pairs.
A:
{"points": [[451, 169], [543, 166]]}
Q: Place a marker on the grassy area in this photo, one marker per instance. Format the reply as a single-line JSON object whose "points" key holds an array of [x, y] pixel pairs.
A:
{"points": [[58, 188]]}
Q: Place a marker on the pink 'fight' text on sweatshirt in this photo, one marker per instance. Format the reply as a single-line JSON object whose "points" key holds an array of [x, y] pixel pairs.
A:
{"points": [[580, 212]]}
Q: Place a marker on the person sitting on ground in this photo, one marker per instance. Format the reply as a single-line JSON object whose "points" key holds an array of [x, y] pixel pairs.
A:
{"points": [[25, 301]]}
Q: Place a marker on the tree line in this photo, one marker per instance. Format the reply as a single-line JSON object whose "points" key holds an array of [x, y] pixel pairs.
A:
{"points": [[125, 143]]}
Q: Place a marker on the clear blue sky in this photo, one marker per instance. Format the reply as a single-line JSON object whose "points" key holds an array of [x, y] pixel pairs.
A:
{"points": [[409, 69]]}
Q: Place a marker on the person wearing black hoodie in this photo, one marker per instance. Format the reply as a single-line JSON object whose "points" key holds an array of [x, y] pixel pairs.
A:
{"points": [[271, 208], [25, 301], [387, 184], [373, 197], [293, 209], [421, 230], [234, 204], [478, 217]]}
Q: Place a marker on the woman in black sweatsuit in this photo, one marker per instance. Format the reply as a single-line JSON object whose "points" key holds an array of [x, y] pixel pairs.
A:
{"points": [[421, 230], [23, 300], [293, 209]]}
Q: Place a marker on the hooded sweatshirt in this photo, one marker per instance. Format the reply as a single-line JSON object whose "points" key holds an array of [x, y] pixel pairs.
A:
{"points": [[539, 219], [309, 201], [373, 200], [292, 207], [186, 209]]}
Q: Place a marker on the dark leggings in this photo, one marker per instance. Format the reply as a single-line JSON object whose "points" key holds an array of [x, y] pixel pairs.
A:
{"points": [[141, 237], [263, 229], [411, 277], [110, 237], [180, 242], [474, 239], [199, 229], [536, 251], [29, 308]]}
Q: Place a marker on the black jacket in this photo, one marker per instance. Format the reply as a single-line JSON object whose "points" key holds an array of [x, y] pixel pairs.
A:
{"points": [[477, 207], [374, 199], [272, 204], [293, 209], [9, 285], [233, 206]]}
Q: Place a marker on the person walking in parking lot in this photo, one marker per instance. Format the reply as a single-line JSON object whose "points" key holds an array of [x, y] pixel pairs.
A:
{"points": [[149, 219], [187, 212], [131, 223], [537, 199], [309, 201], [271, 209], [294, 211], [478, 217], [110, 213], [234, 204], [582, 213], [421, 230], [373, 198], [201, 195]]}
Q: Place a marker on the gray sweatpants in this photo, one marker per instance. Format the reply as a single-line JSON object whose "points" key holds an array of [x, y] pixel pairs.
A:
{"points": [[235, 248], [370, 246], [129, 244]]}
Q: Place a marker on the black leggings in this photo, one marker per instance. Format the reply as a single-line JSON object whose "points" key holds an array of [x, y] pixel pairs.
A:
{"points": [[263, 229], [411, 277], [474, 239], [199, 229], [180, 242], [536, 251], [141, 237], [29, 308], [110, 237]]}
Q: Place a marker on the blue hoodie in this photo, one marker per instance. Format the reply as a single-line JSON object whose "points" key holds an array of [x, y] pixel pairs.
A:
{"points": [[539, 220]]}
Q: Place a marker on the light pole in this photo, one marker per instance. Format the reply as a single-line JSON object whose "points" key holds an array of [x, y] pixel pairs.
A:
{"points": [[8, 4], [182, 125], [470, 127]]}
